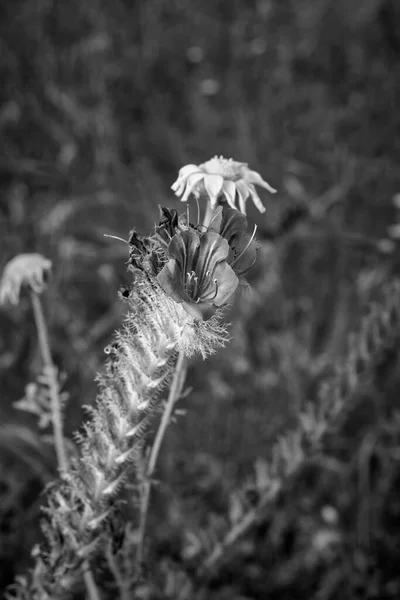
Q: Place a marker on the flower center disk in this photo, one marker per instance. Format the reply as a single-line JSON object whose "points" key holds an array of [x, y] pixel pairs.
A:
{"points": [[226, 167]]}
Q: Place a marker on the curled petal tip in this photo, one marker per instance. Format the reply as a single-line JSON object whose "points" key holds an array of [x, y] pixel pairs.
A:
{"points": [[223, 180]]}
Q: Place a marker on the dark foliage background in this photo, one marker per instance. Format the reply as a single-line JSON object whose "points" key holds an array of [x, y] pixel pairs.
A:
{"points": [[100, 104]]}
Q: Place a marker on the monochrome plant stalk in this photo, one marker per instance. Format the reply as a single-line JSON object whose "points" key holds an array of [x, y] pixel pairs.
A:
{"points": [[174, 394], [183, 277], [78, 507], [373, 349], [157, 333], [50, 373]]}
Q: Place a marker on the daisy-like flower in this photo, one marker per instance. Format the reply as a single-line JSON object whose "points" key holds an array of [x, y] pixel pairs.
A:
{"points": [[222, 180], [25, 269]]}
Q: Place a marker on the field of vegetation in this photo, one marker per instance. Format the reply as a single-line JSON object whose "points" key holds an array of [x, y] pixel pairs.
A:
{"points": [[277, 477]]}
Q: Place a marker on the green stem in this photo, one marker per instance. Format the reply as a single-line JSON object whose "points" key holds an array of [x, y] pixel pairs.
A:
{"points": [[51, 373], [174, 394]]}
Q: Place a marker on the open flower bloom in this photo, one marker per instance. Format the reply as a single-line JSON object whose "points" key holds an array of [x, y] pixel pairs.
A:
{"points": [[25, 269], [222, 180], [197, 273], [199, 268]]}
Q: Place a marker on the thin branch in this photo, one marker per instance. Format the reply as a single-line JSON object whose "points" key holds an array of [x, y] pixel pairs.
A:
{"points": [[51, 374], [244, 525], [121, 583], [174, 395]]}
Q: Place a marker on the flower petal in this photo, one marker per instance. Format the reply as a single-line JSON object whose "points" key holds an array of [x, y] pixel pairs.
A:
{"points": [[192, 180], [254, 177], [242, 205], [216, 220], [179, 187], [184, 248], [256, 198], [227, 282], [200, 310], [184, 174], [233, 223], [213, 250], [171, 280], [188, 170], [213, 185], [243, 193], [245, 252], [229, 189]]}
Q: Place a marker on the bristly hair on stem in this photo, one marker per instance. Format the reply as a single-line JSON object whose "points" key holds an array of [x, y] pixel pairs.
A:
{"points": [[32, 271], [168, 319], [141, 363], [173, 396]]}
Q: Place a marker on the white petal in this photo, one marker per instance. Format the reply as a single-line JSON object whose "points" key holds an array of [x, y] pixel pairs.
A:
{"points": [[256, 198], [229, 189], [191, 182], [213, 185], [243, 193], [178, 188], [188, 170], [183, 174], [254, 177], [242, 205]]}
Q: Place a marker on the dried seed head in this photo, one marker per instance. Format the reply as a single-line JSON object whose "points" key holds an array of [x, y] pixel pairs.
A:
{"points": [[31, 270]]}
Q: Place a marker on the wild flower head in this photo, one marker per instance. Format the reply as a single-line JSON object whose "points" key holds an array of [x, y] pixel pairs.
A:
{"points": [[223, 180], [199, 267], [24, 270]]}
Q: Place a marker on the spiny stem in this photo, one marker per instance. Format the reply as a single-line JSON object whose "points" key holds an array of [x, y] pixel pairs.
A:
{"points": [[51, 373], [174, 393]]}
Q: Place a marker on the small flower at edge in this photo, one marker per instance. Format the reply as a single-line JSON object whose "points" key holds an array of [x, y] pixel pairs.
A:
{"points": [[221, 178], [25, 269]]}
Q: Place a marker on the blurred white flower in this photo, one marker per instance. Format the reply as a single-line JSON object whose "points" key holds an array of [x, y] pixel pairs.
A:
{"points": [[209, 86], [24, 269], [257, 47], [221, 178], [396, 200], [195, 54]]}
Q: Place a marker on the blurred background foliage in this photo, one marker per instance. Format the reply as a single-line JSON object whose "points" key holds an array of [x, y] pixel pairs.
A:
{"points": [[100, 104]]}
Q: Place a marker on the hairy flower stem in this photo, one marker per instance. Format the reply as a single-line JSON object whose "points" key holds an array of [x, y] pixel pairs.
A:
{"points": [[174, 394], [51, 374]]}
